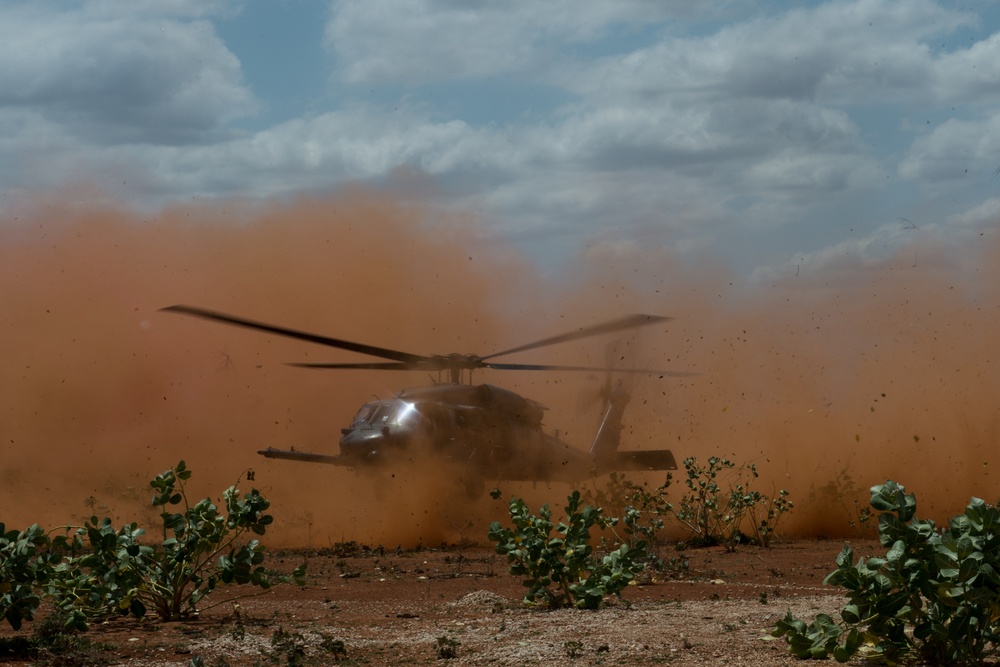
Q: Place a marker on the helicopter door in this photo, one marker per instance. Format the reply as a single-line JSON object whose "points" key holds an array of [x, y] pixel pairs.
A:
{"points": [[483, 439]]}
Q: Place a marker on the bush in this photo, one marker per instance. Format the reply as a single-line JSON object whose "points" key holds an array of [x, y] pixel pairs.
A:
{"points": [[203, 547], [719, 506], [934, 596], [562, 570], [718, 515], [644, 512], [95, 571], [20, 567]]}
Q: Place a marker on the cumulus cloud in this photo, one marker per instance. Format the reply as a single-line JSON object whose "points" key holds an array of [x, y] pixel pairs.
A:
{"points": [[127, 78], [983, 215], [439, 40], [656, 120], [838, 51], [950, 150], [971, 75]]}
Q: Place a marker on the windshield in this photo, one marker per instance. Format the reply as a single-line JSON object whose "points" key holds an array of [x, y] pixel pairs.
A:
{"points": [[379, 413], [372, 414]]}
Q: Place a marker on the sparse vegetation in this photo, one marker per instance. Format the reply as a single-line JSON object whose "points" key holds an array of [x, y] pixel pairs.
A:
{"points": [[645, 517], [95, 571], [335, 648], [22, 571], [446, 648], [644, 512], [562, 570], [203, 547], [934, 596], [53, 643], [287, 648], [719, 504]]}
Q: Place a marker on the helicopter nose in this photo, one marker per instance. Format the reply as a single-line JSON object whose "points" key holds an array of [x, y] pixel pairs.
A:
{"points": [[364, 445]]}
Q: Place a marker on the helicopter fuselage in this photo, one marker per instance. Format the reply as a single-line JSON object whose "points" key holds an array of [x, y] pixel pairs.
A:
{"points": [[487, 431], [482, 426]]}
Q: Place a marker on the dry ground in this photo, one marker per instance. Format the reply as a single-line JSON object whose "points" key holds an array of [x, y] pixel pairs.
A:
{"points": [[407, 607]]}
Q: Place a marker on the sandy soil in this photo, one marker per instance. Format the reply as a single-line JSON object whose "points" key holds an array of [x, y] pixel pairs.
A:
{"points": [[412, 607]]}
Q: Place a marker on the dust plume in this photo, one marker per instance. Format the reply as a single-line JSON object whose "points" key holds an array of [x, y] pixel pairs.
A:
{"points": [[99, 391], [828, 382], [832, 381]]}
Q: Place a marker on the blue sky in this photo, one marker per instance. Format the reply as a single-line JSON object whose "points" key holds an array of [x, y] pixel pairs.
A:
{"points": [[777, 137]]}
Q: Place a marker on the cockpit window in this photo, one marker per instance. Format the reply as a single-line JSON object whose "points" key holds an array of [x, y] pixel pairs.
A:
{"points": [[367, 414], [379, 414]]}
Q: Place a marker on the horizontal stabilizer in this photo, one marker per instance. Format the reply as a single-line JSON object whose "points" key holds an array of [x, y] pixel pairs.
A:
{"points": [[308, 457], [654, 459]]}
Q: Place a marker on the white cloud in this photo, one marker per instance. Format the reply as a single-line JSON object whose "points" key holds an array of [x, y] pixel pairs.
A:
{"points": [[129, 79], [838, 51], [416, 41], [985, 214], [954, 149], [970, 76], [420, 41], [797, 173], [663, 134], [311, 153]]}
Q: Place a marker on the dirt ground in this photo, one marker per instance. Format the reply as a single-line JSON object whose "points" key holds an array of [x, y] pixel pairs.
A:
{"points": [[460, 606]]}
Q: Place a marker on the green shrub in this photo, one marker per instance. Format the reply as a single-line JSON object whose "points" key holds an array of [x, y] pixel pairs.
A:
{"points": [[95, 570], [935, 596], [562, 570], [730, 512], [203, 547], [21, 566], [644, 512]]}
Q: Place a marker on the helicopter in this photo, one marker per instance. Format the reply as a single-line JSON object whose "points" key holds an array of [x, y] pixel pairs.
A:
{"points": [[485, 431]]}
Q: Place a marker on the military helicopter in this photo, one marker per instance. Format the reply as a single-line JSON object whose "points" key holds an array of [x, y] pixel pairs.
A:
{"points": [[487, 432]]}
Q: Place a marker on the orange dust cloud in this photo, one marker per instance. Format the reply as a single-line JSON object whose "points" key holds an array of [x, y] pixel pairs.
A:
{"points": [[833, 381], [99, 390], [829, 382]]}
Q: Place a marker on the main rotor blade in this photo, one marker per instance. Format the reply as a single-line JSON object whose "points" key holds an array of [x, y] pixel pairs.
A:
{"points": [[385, 353], [627, 322], [372, 366], [593, 369]]}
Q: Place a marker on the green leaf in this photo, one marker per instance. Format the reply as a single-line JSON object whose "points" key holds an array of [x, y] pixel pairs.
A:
{"points": [[851, 614], [897, 551]]}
